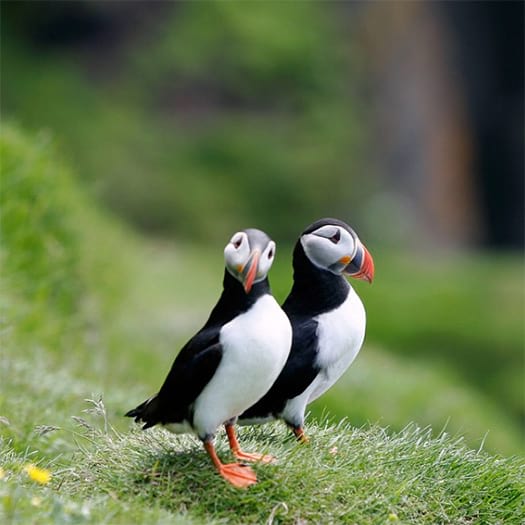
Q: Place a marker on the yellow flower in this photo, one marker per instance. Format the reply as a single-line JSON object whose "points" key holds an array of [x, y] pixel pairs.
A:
{"points": [[39, 475], [2, 473]]}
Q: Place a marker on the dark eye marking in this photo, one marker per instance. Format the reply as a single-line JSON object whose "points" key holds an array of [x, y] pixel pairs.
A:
{"points": [[336, 237], [237, 243], [270, 254]]}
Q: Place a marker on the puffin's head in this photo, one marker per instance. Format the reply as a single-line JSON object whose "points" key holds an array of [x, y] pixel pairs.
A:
{"points": [[249, 256], [332, 245]]}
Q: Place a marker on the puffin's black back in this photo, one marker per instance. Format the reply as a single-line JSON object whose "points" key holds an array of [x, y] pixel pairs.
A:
{"points": [[314, 291], [198, 360]]}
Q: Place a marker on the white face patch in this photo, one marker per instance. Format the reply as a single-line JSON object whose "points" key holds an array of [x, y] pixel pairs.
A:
{"points": [[327, 245], [237, 253], [265, 261]]}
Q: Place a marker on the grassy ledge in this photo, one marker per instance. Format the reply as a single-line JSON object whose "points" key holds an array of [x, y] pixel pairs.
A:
{"points": [[345, 475], [87, 307]]}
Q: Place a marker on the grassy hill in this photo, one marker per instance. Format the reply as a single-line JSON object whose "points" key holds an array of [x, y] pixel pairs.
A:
{"points": [[90, 311], [345, 475]]}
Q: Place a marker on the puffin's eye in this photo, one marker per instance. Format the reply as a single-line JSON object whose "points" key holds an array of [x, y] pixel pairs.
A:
{"points": [[237, 242], [270, 254], [336, 237]]}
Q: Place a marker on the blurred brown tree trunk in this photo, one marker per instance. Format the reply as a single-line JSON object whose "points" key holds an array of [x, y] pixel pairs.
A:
{"points": [[422, 135]]}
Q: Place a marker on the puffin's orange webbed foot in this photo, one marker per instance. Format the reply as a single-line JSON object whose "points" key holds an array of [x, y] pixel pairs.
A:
{"points": [[254, 457], [239, 476], [245, 456], [300, 435]]}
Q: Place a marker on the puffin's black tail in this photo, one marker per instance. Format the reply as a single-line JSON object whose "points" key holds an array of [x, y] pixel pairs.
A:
{"points": [[147, 412]]}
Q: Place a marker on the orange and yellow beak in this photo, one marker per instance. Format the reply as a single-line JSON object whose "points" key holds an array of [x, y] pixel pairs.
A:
{"points": [[361, 266], [249, 270]]}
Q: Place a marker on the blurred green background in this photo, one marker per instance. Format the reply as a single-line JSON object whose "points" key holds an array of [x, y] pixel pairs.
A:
{"points": [[138, 136]]}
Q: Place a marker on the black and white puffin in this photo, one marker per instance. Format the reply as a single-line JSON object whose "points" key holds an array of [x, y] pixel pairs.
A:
{"points": [[231, 362], [328, 321]]}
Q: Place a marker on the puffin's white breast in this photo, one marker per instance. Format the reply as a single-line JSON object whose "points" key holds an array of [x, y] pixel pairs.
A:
{"points": [[255, 345], [340, 336]]}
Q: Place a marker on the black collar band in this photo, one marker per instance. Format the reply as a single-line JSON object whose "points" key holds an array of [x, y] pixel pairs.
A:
{"points": [[234, 300]]}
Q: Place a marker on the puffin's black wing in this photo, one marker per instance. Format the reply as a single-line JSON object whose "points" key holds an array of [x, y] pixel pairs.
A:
{"points": [[298, 372], [191, 371]]}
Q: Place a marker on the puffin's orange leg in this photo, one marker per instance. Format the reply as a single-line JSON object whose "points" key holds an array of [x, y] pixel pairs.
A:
{"points": [[239, 476], [239, 454], [300, 435]]}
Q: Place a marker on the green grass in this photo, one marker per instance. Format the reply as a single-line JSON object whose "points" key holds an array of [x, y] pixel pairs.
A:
{"points": [[155, 159], [464, 311], [345, 475], [90, 310], [389, 390]]}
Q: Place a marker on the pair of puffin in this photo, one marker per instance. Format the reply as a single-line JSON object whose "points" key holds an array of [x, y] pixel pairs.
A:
{"points": [[254, 361]]}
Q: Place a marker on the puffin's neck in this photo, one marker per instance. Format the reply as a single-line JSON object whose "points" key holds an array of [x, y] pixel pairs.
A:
{"points": [[234, 300], [314, 291]]}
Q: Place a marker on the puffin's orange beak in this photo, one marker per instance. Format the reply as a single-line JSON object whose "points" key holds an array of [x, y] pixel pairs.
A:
{"points": [[249, 270], [361, 266]]}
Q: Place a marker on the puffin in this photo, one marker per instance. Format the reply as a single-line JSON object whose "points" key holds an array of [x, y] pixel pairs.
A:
{"points": [[231, 362], [328, 322]]}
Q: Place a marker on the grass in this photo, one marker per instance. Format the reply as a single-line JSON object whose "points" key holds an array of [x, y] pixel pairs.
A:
{"points": [[101, 312], [385, 389], [345, 475], [285, 68], [464, 311]]}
